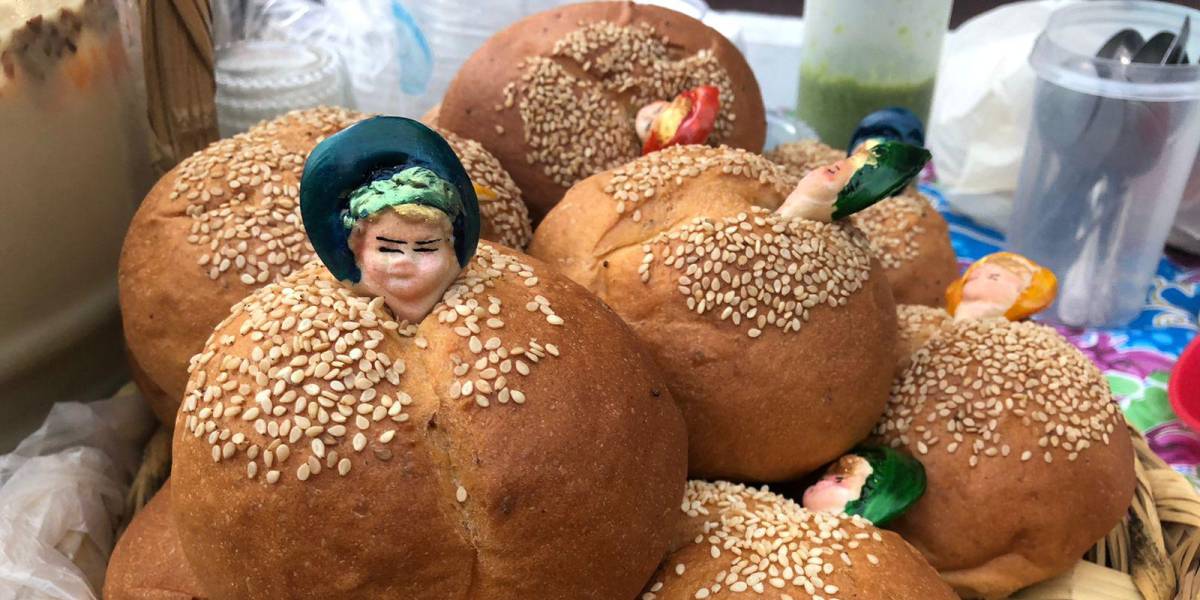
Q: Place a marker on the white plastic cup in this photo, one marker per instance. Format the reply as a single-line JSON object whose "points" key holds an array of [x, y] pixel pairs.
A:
{"points": [[1108, 155]]}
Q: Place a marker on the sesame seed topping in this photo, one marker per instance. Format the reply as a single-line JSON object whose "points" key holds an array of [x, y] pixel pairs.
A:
{"points": [[328, 389], [892, 226], [759, 270], [504, 218], [461, 494], [577, 120], [242, 196], [767, 541], [976, 378]]}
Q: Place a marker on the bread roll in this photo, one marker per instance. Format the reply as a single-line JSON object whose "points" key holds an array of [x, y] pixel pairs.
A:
{"points": [[1027, 457], [148, 562], [741, 542], [554, 95], [503, 217], [517, 443], [776, 336]]}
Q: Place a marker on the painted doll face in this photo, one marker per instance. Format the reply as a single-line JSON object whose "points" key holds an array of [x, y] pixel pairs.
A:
{"points": [[815, 195], [408, 261], [990, 290], [842, 484]]}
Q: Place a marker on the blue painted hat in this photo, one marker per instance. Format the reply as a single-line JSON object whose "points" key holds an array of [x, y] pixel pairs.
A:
{"points": [[370, 151], [894, 123]]}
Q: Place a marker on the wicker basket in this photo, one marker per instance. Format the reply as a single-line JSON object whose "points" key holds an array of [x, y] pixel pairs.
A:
{"points": [[1153, 554]]}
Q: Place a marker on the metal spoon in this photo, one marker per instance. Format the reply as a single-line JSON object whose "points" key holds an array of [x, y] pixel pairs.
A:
{"points": [[1164, 48], [1122, 46]]}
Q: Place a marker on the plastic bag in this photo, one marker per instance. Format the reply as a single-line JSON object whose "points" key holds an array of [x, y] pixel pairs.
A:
{"points": [[62, 497], [983, 106]]}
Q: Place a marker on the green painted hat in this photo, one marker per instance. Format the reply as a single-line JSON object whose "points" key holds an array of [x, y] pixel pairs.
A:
{"points": [[896, 482], [375, 164]]}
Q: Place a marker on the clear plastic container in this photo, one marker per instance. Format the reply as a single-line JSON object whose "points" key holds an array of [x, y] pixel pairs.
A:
{"points": [[859, 57], [260, 79], [1108, 155]]}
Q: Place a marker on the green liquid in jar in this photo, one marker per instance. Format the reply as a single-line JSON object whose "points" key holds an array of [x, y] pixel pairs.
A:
{"points": [[834, 104]]}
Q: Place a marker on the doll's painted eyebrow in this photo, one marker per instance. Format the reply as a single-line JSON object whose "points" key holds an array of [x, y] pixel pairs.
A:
{"points": [[429, 241], [384, 239]]}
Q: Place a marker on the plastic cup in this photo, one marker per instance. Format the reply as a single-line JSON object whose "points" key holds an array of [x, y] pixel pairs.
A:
{"points": [[1108, 155], [260, 79]]}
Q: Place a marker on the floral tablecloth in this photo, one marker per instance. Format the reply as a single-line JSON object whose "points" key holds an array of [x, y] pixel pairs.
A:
{"points": [[1136, 359]]}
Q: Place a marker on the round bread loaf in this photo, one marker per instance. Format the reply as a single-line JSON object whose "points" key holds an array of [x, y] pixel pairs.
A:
{"points": [[554, 95], [225, 221], [912, 241], [148, 562], [1028, 459], [776, 336], [517, 443], [909, 236], [741, 542]]}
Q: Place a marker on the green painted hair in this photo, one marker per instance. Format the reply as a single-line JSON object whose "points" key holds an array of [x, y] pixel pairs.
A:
{"points": [[414, 185]]}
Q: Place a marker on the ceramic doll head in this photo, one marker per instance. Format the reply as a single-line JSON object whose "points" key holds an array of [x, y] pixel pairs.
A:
{"points": [[1001, 285], [876, 170], [688, 119], [839, 486], [390, 211], [876, 483]]}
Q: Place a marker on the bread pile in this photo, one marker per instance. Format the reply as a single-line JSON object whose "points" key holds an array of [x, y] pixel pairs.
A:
{"points": [[533, 436]]}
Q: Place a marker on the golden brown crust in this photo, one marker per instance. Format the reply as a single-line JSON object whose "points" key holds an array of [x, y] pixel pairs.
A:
{"points": [[912, 240], [744, 542], [504, 218], [227, 220], [472, 456], [148, 561], [223, 222], [554, 95], [1007, 415], [742, 310]]}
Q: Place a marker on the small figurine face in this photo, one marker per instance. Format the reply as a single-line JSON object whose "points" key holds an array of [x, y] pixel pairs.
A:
{"points": [[645, 118], [990, 290], [688, 119], [407, 257], [842, 484], [815, 195], [1001, 285]]}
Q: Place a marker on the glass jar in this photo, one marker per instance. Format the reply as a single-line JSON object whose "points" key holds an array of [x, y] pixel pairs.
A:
{"points": [[859, 57]]}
